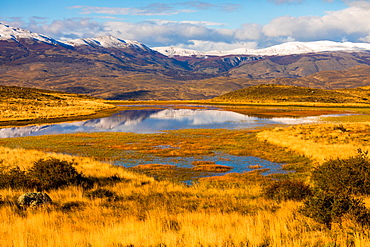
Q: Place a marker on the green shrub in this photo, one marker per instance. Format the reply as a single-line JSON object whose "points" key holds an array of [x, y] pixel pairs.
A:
{"points": [[283, 190], [327, 208], [53, 173], [348, 176]]}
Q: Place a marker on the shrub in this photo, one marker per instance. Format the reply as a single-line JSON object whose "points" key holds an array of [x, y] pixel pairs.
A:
{"points": [[53, 173], [71, 206], [101, 193], [327, 208], [283, 190], [15, 178], [348, 176]]}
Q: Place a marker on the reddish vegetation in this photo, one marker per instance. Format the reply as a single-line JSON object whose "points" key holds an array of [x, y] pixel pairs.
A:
{"points": [[202, 163], [255, 166], [155, 167], [212, 168], [209, 166]]}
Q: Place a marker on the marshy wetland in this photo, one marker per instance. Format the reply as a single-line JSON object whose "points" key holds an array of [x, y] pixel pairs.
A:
{"points": [[137, 195], [171, 137]]}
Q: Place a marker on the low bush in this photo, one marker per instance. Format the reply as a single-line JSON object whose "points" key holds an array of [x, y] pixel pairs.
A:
{"points": [[53, 173], [15, 178], [327, 208], [283, 190], [101, 193], [72, 206], [45, 174], [344, 176]]}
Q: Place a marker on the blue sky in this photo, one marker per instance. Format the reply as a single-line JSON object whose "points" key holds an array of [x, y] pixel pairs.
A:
{"points": [[200, 25]]}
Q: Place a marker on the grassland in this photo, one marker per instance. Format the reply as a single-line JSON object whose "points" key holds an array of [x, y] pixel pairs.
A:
{"points": [[228, 210], [145, 212], [20, 106]]}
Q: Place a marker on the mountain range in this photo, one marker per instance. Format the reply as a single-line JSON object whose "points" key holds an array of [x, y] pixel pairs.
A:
{"points": [[114, 68]]}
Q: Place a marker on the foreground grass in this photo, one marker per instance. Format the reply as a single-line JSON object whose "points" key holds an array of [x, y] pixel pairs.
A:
{"points": [[145, 212]]}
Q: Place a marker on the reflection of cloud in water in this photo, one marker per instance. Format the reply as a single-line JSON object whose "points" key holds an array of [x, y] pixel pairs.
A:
{"points": [[21, 131], [199, 117], [155, 120], [302, 120]]}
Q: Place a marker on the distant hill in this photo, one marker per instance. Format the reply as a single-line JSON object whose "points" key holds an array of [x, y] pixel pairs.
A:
{"points": [[280, 93], [22, 106]]}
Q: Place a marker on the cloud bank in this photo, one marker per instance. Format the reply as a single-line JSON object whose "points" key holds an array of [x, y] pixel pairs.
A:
{"points": [[351, 23]]}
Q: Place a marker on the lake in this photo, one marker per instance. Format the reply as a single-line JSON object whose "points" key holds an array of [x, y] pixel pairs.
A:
{"points": [[153, 119]]}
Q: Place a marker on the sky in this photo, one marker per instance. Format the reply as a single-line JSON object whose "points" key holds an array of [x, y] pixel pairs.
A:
{"points": [[199, 25]]}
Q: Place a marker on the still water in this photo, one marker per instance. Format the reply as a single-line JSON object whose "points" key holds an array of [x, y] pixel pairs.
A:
{"points": [[153, 119], [156, 119]]}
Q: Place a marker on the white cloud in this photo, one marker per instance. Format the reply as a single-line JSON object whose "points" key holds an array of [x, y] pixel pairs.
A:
{"points": [[158, 8], [286, 1], [201, 45], [351, 23], [152, 9], [200, 23], [248, 32], [229, 7]]}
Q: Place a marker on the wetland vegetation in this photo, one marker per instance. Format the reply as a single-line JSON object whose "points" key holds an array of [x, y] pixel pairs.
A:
{"points": [[150, 206]]}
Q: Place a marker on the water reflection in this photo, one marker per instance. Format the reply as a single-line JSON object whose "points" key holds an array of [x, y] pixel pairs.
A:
{"points": [[155, 120]]}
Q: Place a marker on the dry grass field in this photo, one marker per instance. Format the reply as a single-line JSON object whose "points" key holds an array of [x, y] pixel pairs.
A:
{"points": [[26, 105], [145, 212], [321, 142]]}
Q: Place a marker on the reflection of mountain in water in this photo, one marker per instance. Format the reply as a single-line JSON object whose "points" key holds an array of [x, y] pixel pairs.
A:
{"points": [[155, 120], [126, 118]]}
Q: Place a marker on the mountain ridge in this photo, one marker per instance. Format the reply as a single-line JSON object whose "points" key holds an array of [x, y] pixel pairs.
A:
{"points": [[288, 48], [113, 68]]}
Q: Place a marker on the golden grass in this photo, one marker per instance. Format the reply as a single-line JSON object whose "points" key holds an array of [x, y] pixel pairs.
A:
{"points": [[155, 166], [218, 211], [321, 142], [212, 168], [152, 213], [27, 105], [90, 167]]}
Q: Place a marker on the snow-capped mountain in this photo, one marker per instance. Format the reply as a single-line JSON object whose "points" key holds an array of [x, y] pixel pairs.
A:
{"points": [[7, 32], [114, 68], [12, 33], [108, 42], [277, 50]]}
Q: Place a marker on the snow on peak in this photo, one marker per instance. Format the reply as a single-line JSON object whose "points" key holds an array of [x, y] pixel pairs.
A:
{"points": [[12, 33], [177, 51], [288, 48], [107, 42]]}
